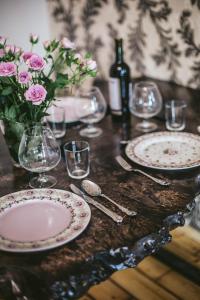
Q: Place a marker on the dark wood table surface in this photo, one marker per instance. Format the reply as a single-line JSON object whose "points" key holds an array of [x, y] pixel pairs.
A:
{"points": [[104, 247]]}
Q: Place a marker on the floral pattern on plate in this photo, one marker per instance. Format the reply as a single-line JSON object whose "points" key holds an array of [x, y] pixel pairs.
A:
{"points": [[41, 219], [165, 150]]}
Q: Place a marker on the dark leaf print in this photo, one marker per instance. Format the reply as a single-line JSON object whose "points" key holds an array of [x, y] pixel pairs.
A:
{"points": [[136, 40], [65, 16], [89, 13], [168, 52], [90, 10], [187, 34], [122, 7], [196, 74], [144, 5], [196, 2]]}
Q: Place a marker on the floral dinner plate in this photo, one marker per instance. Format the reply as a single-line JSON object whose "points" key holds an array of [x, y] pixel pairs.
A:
{"points": [[165, 150], [41, 219]]}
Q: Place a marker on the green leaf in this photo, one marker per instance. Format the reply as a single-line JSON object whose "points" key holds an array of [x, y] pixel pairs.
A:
{"points": [[12, 113], [7, 91], [61, 80], [88, 55]]}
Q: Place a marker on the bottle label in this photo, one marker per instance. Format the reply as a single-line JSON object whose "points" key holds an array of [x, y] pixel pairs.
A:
{"points": [[115, 96]]}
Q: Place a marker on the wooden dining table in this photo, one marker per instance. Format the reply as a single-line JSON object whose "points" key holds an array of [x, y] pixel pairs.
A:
{"points": [[104, 247]]}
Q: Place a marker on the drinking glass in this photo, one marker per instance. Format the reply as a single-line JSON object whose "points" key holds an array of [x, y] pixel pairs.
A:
{"points": [[39, 153], [175, 115], [92, 110], [56, 120], [145, 103], [77, 159]]}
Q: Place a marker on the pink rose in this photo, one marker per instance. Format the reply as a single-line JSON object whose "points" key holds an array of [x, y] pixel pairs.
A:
{"points": [[67, 44], [2, 40], [7, 69], [27, 55], [2, 53], [18, 50], [79, 57], [91, 64], [10, 49], [36, 62], [24, 77], [34, 38], [36, 94], [46, 44]]}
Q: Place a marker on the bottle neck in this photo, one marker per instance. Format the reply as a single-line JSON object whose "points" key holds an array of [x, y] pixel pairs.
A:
{"points": [[119, 50]]}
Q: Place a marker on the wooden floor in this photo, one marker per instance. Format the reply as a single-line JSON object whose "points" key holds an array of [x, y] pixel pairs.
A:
{"points": [[153, 279]]}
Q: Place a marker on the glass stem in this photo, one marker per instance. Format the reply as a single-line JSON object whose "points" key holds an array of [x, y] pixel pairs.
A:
{"points": [[42, 177], [145, 123], [89, 126]]}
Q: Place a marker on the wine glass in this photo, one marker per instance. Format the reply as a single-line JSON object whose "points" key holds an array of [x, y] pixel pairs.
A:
{"points": [[146, 102], [92, 110], [39, 153]]}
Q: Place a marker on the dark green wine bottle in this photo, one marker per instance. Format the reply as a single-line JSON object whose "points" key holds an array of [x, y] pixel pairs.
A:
{"points": [[119, 85]]}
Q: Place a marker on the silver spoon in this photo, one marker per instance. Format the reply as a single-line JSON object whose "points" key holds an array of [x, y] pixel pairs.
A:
{"points": [[94, 190]]}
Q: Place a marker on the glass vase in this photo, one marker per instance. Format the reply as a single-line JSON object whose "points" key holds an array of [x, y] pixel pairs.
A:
{"points": [[13, 132]]}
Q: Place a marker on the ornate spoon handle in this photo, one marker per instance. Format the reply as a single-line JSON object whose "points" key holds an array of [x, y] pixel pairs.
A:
{"points": [[115, 217], [125, 210]]}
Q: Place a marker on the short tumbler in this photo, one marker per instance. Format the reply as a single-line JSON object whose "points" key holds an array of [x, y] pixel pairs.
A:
{"points": [[175, 115], [77, 159]]}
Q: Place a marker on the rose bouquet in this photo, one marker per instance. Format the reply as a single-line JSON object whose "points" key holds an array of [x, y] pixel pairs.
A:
{"points": [[28, 81]]}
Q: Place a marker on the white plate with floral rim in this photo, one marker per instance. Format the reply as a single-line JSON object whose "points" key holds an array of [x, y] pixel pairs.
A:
{"points": [[41, 219], [165, 150]]}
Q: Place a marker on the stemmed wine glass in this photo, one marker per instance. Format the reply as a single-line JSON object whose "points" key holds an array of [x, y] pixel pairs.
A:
{"points": [[39, 153], [146, 102], [92, 110]]}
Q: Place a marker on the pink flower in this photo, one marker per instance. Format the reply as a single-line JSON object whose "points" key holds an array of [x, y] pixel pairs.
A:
{"points": [[67, 44], [36, 62], [36, 94], [7, 69], [34, 38], [27, 55], [79, 57], [24, 77], [46, 44], [18, 50], [10, 49], [2, 40], [2, 53], [91, 64]]}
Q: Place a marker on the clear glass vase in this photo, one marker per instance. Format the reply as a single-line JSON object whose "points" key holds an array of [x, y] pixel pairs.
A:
{"points": [[13, 132]]}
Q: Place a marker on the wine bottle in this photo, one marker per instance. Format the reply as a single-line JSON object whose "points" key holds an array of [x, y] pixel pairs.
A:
{"points": [[119, 85]]}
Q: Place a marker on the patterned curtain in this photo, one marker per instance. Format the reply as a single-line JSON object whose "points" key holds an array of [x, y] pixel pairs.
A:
{"points": [[161, 38]]}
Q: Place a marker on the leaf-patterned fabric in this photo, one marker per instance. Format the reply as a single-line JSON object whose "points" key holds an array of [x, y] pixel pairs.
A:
{"points": [[161, 37]]}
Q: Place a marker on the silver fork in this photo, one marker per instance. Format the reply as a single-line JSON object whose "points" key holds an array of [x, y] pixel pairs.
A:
{"points": [[123, 163]]}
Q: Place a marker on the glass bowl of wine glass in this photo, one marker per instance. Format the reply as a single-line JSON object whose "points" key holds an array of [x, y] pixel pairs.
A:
{"points": [[39, 153], [91, 111], [145, 103]]}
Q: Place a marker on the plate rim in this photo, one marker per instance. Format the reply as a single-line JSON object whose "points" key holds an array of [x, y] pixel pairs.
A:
{"points": [[160, 133], [53, 244]]}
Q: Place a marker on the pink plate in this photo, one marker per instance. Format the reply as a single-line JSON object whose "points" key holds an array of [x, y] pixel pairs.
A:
{"points": [[73, 107], [41, 219]]}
